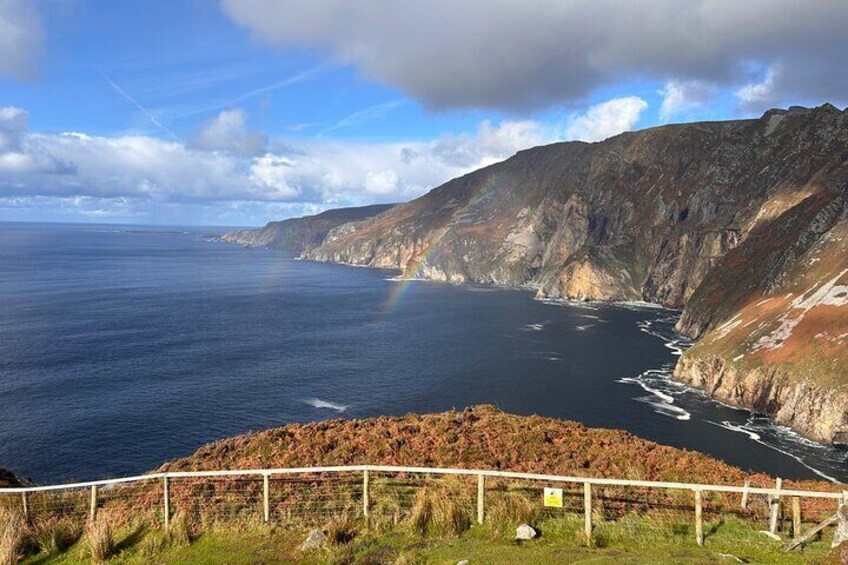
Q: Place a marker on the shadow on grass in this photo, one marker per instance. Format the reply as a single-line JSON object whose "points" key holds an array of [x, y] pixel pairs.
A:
{"points": [[131, 539]]}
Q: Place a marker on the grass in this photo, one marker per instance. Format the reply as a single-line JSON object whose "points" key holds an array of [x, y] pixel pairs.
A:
{"points": [[100, 538], [55, 534], [12, 536], [630, 540]]}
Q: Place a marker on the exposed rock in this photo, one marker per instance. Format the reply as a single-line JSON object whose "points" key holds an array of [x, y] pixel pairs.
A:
{"points": [[314, 540], [301, 234], [9, 480], [742, 218], [525, 532], [641, 215], [816, 412]]}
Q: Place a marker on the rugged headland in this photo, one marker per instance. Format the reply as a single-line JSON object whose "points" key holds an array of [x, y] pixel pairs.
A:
{"points": [[302, 234], [740, 224]]}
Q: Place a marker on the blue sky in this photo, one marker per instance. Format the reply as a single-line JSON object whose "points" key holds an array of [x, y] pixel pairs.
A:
{"points": [[235, 113]]}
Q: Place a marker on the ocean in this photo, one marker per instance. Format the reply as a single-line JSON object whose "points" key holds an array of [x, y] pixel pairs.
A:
{"points": [[124, 346]]}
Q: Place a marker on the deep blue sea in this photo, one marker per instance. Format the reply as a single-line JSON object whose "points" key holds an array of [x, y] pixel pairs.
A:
{"points": [[123, 346]]}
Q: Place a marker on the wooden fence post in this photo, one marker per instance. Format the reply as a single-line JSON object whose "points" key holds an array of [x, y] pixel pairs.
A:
{"points": [[93, 502], [587, 512], [745, 494], [25, 504], [775, 507], [699, 518], [366, 499], [796, 517], [166, 501], [266, 497], [481, 493]]}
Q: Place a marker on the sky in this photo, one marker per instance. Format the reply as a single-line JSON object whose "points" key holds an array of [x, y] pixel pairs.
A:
{"points": [[237, 112]]}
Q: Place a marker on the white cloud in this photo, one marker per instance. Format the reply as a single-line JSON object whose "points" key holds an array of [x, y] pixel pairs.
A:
{"points": [[681, 96], [21, 38], [521, 55], [271, 172], [228, 132], [118, 175], [217, 168], [760, 95], [382, 182], [606, 119], [491, 143]]}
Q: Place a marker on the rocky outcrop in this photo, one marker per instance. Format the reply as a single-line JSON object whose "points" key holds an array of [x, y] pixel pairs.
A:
{"points": [[803, 405], [301, 234], [772, 318], [9, 480]]}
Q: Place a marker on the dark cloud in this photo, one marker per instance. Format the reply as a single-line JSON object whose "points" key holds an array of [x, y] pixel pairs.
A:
{"points": [[522, 55]]}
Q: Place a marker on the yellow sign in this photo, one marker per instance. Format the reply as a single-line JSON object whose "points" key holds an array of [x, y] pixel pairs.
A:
{"points": [[553, 497]]}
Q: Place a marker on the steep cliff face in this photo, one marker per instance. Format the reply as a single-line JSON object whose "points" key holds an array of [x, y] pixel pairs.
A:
{"points": [[301, 234], [643, 215], [741, 224], [773, 321]]}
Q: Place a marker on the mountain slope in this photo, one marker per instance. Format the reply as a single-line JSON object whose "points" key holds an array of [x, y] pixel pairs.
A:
{"points": [[708, 217], [302, 234]]}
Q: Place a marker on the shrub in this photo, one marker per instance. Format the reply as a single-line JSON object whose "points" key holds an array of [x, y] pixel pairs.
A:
{"points": [[506, 511], [12, 536], [54, 534], [101, 541], [438, 513], [152, 545], [421, 513], [341, 529], [179, 532], [448, 518]]}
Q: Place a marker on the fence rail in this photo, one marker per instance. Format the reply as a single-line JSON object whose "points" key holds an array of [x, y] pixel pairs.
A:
{"points": [[366, 490]]}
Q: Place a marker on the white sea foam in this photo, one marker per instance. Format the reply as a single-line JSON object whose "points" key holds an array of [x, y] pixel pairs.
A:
{"points": [[318, 403], [758, 438], [584, 327], [662, 402], [534, 327]]}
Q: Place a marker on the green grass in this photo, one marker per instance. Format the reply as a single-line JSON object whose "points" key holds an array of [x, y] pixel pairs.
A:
{"points": [[629, 540]]}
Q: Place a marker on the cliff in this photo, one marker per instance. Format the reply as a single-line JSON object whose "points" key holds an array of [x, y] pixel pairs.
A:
{"points": [[740, 224], [301, 234]]}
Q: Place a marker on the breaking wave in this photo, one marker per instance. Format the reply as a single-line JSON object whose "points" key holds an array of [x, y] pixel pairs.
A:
{"points": [[671, 398], [318, 403]]}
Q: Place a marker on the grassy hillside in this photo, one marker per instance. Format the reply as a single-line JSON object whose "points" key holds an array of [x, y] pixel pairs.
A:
{"points": [[417, 519], [480, 437]]}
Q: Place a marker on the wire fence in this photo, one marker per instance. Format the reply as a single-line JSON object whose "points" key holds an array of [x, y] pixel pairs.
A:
{"points": [[599, 510]]}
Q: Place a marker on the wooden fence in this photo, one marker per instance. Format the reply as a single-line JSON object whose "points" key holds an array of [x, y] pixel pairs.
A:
{"points": [[774, 495]]}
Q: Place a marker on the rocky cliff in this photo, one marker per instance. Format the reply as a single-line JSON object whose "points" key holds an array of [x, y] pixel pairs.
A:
{"points": [[741, 224], [302, 234]]}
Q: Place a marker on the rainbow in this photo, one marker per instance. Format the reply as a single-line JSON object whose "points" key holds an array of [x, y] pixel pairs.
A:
{"points": [[401, 285], [414, 271]]}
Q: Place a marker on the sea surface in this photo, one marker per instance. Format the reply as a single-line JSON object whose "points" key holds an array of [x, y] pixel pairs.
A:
{"points": [[122, 347]]}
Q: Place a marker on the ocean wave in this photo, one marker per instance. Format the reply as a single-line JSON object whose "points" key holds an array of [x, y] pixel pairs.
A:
{"points": [[653, 382], [318, 403], [756, 434]]}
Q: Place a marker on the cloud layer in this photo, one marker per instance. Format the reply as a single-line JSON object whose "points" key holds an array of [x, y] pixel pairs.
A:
{"points": [[231, 167], [530, 54]]}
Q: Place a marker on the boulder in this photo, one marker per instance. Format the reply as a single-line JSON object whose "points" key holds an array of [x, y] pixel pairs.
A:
{"points": [[525, 532], [314, 540]]}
